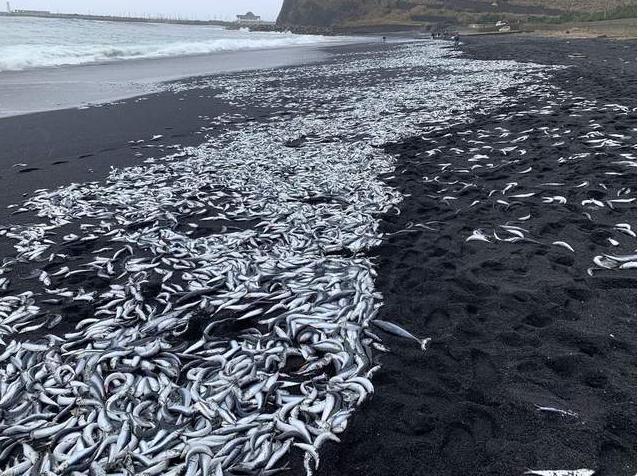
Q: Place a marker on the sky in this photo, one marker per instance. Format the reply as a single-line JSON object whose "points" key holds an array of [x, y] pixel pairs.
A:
{"points": [[191, 9]]}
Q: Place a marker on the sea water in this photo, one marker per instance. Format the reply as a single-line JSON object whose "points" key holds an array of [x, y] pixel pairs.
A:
{"points": [[54, 63], [27, 43]]}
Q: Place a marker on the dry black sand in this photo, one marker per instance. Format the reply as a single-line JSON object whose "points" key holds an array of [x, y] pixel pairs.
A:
{"points": [[510, 329]]}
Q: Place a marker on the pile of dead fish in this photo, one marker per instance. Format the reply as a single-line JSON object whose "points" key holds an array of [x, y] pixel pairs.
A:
{"points": [[210, 311]]}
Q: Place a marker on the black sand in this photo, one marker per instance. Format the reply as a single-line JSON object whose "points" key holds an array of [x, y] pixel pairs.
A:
{"points": [[73, 145], [510, 330], [76, 145]]}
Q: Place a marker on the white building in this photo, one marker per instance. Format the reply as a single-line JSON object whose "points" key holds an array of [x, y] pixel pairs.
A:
{"points": [[248, 19]]}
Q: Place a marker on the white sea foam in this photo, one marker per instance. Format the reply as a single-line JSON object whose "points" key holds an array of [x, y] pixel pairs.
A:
{"points": [[15, 58], [28, 43]]}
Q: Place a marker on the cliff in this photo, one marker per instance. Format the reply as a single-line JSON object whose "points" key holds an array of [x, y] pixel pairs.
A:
{"points": [[357, 13]]}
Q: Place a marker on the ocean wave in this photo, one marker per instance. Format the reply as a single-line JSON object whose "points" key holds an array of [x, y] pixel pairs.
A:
{"points": [[21, 57]]}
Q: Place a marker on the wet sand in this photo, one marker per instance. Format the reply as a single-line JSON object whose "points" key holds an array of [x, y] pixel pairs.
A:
{"points": [[74, 144], [46, 89]]}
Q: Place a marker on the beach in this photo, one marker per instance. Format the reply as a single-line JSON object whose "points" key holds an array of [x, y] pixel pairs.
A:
{"points": [[517, 329], [470, 195]]}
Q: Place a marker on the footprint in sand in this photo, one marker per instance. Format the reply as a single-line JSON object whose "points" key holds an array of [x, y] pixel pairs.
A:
{"points": [[539, 320], [484, 370]]}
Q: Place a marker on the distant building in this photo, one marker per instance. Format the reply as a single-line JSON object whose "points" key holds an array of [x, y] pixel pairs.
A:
{"points": [[248, 19]]}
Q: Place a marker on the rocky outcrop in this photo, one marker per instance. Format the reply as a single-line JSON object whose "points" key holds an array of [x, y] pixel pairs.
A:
{"points": [[322, 13]]}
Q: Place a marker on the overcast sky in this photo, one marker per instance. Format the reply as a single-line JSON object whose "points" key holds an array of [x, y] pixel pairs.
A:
{"points": [[195, 9]]}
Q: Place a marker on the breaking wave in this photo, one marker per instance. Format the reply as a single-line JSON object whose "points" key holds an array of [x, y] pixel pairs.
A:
{"points": [[25, 56]]}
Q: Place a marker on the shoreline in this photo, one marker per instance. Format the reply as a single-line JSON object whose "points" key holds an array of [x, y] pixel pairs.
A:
{"points": [[75, 144], [514, 326], [89, 85]]}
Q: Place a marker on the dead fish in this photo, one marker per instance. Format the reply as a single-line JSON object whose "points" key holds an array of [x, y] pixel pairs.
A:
{"points": [[561, 472], [145, 381], [478, 235], [563, 245], [400, 332]]}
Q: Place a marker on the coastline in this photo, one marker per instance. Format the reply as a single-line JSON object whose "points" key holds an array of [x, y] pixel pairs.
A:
{"points": [[109, 18], [90, 85], [67, 145], [503, 339]]}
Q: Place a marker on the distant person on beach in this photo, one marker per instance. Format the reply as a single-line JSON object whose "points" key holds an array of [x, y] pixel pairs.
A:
{"points": [[456, 40], [383, 39]]}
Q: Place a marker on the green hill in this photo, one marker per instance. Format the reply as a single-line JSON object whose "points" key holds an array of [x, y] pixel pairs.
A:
{"points": [[357, 13]]}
